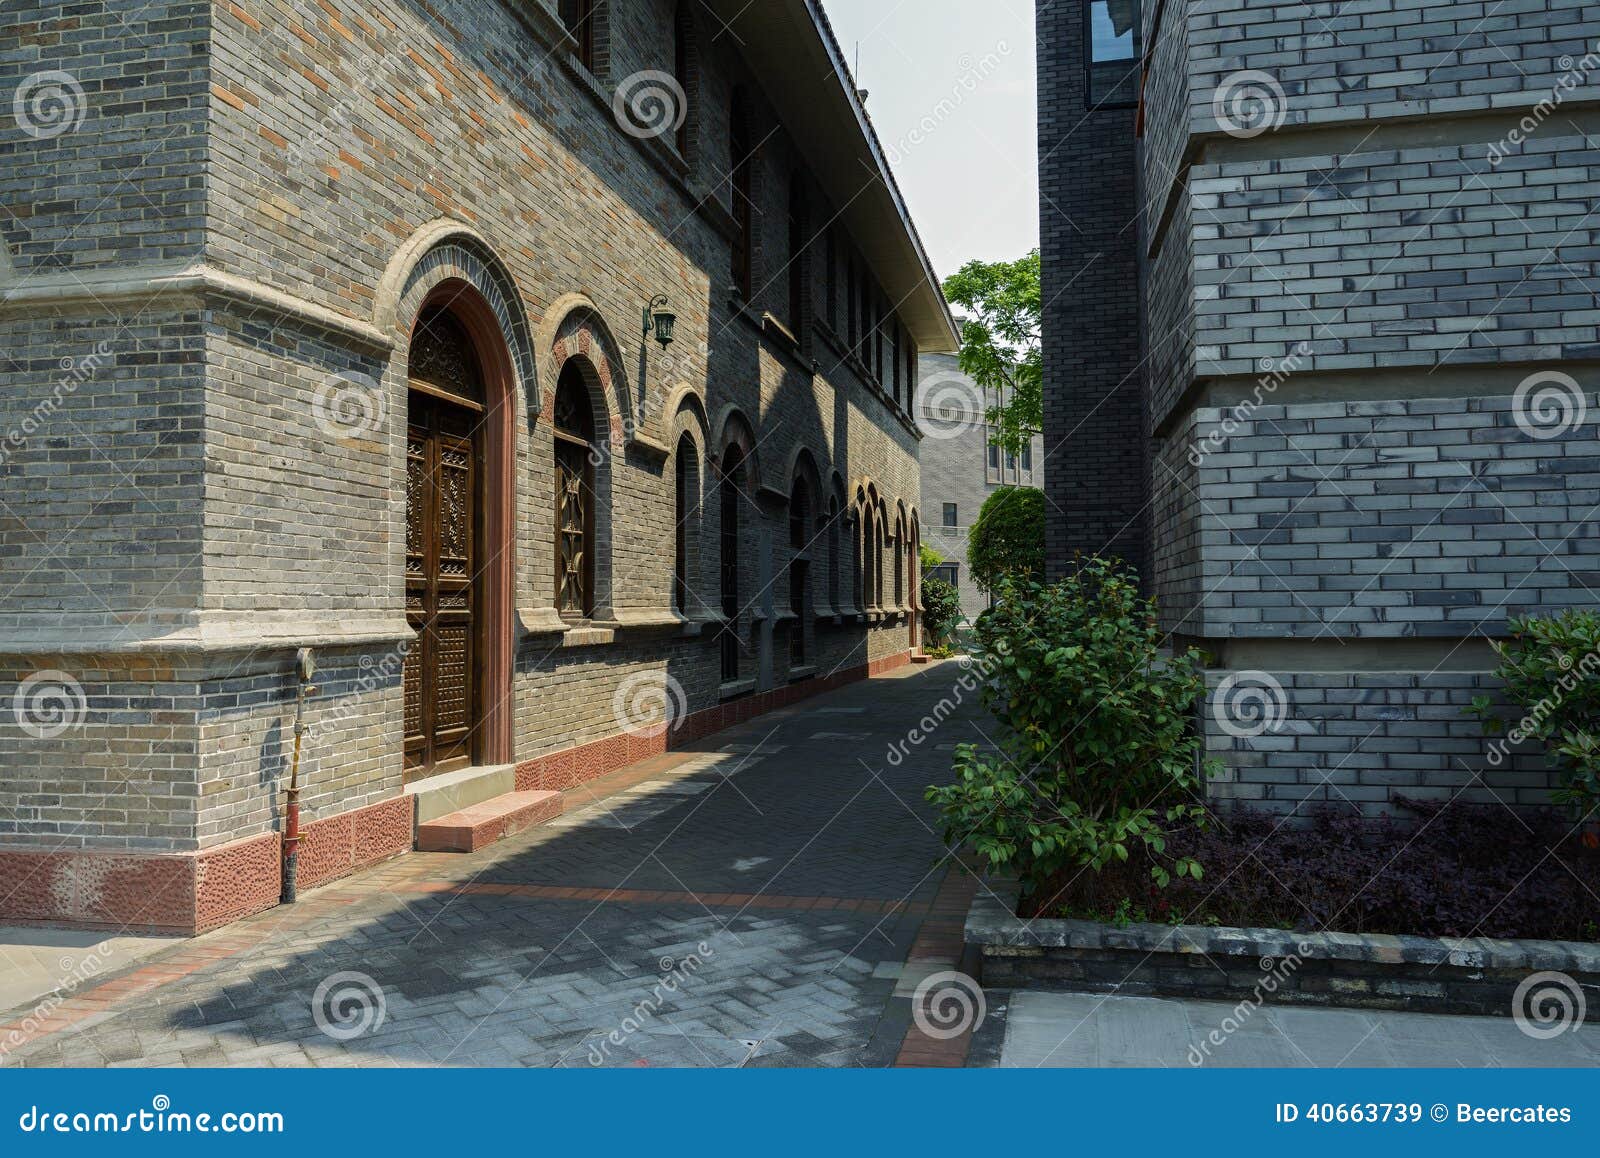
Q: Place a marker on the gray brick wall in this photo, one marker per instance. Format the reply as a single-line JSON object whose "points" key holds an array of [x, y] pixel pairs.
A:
{"points": [[182, 504], [1347, 301], [1095, 455]]}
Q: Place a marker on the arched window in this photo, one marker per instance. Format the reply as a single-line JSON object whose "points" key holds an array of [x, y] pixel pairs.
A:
{"points": [[858, 557], [688, 511], [900, 540], [728, 564], [878, 532], [574, 514], [799, 569], [799, 266], [834, 561], [742, 167]]}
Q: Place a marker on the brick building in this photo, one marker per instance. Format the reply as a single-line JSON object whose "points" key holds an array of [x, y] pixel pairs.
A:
{"points": [[1366, 300], [960, 469], [323, 325]]}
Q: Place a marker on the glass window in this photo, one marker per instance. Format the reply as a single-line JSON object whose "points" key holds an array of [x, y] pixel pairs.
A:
{"points": [[1027, 458], [1111, 29], [950, 515], [1113, 52], [994, 458]]}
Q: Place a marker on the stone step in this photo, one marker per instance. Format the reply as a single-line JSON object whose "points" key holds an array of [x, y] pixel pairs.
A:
{"points": [[480, 825]]}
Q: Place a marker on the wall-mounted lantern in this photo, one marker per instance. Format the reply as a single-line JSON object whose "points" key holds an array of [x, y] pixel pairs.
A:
{"points": [[660, 320]]}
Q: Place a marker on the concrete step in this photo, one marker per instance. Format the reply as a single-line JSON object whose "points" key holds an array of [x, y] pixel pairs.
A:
{"points": [[480, 825]]}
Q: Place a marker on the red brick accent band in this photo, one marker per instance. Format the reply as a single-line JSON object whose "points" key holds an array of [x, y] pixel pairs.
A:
{"points": [[185, 892], [340, 845], [195, 892]]}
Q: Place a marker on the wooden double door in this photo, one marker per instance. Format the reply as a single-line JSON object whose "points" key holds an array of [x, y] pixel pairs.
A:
{"points": [[443, 677]]}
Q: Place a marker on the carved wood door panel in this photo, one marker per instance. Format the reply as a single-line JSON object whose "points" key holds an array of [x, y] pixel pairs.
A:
{"points": [[441, 669]]}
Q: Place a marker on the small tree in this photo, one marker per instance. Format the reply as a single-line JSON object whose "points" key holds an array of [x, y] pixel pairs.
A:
{"points": [[1551, 669], [941, 610], [1001, 350], [1098, 755], [1007, 540]]}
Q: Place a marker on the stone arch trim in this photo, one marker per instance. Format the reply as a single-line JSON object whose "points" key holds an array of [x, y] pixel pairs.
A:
{"points": [[574, 328], [732, 427], [683, 398], [446, 249], [803, 461]]}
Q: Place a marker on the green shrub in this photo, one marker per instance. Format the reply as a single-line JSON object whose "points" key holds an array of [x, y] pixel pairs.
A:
{"points": [[1551, 669], [929, 557], [1008, 538], [1097, 745], [941, 609]]}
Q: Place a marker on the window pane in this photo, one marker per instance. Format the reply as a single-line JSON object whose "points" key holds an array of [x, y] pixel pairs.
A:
{"points": [[950, 514], [1111, 26]]}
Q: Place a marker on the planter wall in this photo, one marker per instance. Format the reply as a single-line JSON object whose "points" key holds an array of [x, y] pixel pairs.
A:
{"points": [[1372, 971]]}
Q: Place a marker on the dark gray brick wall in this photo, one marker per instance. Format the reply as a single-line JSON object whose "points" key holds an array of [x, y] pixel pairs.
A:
{"points": [[1095, 454]]}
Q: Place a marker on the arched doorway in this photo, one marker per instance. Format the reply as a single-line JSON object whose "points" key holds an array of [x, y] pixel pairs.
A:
{"points": [[458, 549]]}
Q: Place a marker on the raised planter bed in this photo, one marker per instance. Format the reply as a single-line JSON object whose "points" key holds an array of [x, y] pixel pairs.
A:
{"points": [[1371, 971]]}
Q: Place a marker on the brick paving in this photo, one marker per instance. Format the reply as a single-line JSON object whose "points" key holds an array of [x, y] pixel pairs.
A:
{"points": [[763, 899]]}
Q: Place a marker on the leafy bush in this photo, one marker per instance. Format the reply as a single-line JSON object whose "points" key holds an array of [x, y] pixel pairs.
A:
{"points": [[1445, 870], [941, 609], [1007, 540], [929, 557], [1550, 668], [1097, 749]]}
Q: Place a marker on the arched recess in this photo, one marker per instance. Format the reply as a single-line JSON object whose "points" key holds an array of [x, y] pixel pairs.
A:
{"points": [[693, 595], [460, 541], [736, 515], [805, 556], [902, 536], [838, 532], [574, 327], [448, 270], [583, 436]]}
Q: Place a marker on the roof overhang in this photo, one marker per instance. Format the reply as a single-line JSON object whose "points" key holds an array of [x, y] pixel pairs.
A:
{"points": [[790, 47]]}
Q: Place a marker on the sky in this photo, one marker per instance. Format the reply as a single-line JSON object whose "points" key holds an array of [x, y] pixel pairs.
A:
{"points": [[952, 98]]}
